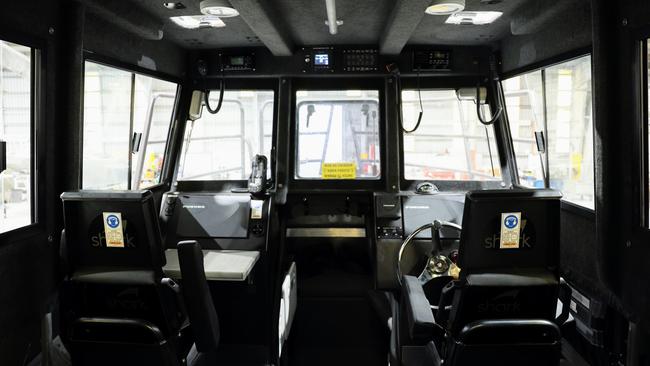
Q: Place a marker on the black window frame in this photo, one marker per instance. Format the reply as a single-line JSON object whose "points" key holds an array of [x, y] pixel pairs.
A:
{"points": [[641, 145], [451, 83], [232, 84], [38, 143], [134, 70], [376, 83], [540, 66]]}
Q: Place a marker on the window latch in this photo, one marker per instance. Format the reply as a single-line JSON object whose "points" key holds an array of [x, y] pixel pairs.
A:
{"points": [[135, 142], [3, 156], [541, 141]]}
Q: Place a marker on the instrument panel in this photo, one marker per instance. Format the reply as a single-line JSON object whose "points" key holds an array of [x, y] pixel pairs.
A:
{"points": [[340, 60]]}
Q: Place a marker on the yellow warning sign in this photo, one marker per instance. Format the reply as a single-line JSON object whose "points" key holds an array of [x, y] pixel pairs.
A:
{"points": [[339, 171], [510, 230], [113, 229]]}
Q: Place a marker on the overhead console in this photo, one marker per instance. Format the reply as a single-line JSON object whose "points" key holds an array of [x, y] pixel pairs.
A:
{"points": [[339, 60]]}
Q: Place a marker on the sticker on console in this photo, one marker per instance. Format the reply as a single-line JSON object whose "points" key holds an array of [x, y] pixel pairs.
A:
{"points": [[113, 229], [256, 209], [510, 230]]}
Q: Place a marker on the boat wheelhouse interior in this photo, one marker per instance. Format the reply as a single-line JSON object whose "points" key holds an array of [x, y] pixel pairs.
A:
{"points": [[325, 182]]}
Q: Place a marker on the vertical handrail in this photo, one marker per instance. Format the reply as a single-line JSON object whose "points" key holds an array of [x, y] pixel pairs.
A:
{"points": [[136, 178], [465, 139], [261, 124]]}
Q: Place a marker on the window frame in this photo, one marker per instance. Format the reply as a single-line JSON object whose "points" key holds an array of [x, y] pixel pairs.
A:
{"points": [[453, 83], [38, 143], [541, 66], [165, 179], [642, 143], [336, 84], [232, 84]]}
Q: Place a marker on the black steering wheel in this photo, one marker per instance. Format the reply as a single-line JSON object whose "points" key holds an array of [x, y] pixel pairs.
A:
{"points": [[437, 264]]}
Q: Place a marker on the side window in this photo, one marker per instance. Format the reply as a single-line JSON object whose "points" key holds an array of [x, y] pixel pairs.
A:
{"points": [[450, 143], [222, 146], [126, 121], [564, 92], [646, 49], [16, 90], [525, 106], [337, 134]]}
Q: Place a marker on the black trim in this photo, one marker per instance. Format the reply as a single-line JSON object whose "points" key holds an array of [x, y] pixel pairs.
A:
{"points": [[370, 83], [549, 62], [125, 66], [454, 83], [578, 210], [644, 180], [234, 84], [90, 57], [37, 140]]}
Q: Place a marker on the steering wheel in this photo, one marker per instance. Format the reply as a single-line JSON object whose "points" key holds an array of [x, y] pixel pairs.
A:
{"points": [[437, 264]]}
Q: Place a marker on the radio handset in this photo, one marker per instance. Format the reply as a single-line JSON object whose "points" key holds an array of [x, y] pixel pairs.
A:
{"points": [[257, 180]]}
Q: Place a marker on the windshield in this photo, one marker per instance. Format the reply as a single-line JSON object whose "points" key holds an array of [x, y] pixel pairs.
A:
{"points": [[222, 146], [338, 134], [450, 143]]}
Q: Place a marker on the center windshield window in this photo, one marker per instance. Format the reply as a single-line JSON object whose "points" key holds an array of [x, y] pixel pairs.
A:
{"points": [[337, 134], [450, 143], [222, 146]]}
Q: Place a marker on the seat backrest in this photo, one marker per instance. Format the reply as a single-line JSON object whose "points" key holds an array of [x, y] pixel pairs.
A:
{"points": [[114, 287], [200, 308], [87, 216], [517, 279], [536, 213]]}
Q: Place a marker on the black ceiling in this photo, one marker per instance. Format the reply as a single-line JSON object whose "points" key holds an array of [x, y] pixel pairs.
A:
{"points": [[365, 21]]}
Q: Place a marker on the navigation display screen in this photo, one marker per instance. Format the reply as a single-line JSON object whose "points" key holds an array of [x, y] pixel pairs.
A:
{"points": [[321, 59]]}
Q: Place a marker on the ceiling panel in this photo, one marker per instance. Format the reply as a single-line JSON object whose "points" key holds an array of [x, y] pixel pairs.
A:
{"points": [[364, 23], [235, 34], [433, 30], [364, 20]]}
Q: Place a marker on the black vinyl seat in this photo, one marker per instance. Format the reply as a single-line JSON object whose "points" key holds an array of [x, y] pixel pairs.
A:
{"points": [[117, 306], [200, 308], [501, 310]]}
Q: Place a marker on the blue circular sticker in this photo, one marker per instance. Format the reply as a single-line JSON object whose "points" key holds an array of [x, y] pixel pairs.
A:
{"points": [[511, 221], [112, 221]]}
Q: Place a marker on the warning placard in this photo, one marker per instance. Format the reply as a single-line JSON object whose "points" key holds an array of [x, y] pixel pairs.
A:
{"points": [[510, 230], [339, 171], [113, 229]]}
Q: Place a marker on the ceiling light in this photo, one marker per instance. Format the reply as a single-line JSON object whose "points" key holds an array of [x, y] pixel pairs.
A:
{"points": [[445, 7], [198, 21], [473, 17], [174, 6], [218, 8]]}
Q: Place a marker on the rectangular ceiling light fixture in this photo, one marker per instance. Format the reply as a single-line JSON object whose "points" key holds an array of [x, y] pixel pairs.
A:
{"points": [[473, 17], [198, 21]]}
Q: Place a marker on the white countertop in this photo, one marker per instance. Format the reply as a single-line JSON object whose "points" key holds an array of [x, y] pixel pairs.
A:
{"points": [[219, 265]]}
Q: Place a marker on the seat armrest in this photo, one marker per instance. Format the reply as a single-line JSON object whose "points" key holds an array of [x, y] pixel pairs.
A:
{"points": [[417, 310], [510, 331], [432, 355]]}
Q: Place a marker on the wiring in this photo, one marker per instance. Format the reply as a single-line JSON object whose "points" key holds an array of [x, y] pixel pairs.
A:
{"points": [[479, 112], [222, 89], [206, 98], [400, 117]]}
